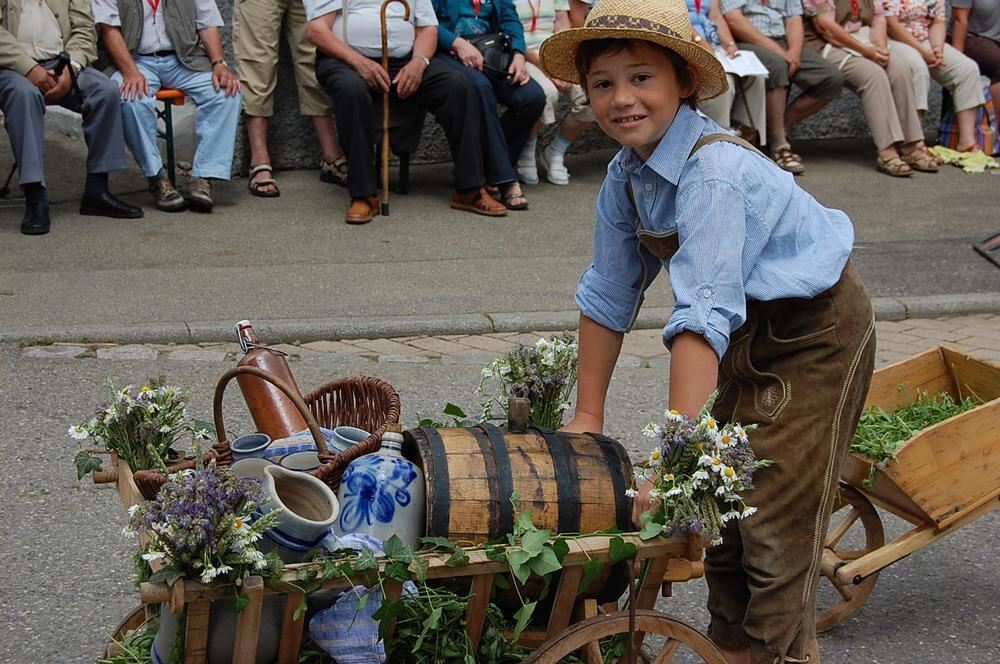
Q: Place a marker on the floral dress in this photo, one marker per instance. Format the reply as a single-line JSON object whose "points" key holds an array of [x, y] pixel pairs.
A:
{"points": [[916, 15]]}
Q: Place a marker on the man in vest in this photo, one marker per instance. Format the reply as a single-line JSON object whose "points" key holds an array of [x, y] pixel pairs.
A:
{"points": [[33, 34], [175, 44]]}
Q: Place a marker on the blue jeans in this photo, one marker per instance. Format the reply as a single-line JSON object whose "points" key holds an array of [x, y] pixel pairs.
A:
{"points": [[215, 128], [504, 136]]}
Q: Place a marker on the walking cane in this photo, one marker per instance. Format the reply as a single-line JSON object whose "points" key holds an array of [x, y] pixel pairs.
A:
{"points": [[385, 101]]}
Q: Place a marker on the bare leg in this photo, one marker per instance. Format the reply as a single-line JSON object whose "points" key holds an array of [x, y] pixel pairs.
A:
{"points": [[966, 121], [775, 111], [257, 132], [802, 108], [326, 134], [995, 93], [572, 127]]}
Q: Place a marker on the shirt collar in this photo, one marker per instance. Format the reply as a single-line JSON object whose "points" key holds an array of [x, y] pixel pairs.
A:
{"points": [[672, 151]]}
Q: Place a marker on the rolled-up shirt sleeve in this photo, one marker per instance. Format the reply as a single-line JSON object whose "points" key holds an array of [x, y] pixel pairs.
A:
{"points": [[206, 15], [611, 289], [706, 273], [106, 12]]}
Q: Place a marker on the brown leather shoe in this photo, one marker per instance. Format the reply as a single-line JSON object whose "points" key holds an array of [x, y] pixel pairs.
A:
{"points": [[362, 210], [478, 201]]}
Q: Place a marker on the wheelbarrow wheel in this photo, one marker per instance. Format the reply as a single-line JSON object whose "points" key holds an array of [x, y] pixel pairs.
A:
{"points": [[854, 519], [681, 640]]}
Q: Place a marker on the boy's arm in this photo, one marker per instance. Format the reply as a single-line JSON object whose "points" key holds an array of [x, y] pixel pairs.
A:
{"points": [[694, 373], [599, 350]]}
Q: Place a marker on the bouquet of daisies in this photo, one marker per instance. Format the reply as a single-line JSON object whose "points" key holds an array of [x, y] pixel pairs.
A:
{"points": [[200, 526], [700, 470]]}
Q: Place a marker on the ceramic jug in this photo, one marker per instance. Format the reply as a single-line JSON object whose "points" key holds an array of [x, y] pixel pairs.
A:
{"points": [[309, 510], [382, 494]]}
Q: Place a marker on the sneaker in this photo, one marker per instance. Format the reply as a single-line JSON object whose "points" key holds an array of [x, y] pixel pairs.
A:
{"points": [[555, 170], [198, 194], [527, 169], [166, 197]]}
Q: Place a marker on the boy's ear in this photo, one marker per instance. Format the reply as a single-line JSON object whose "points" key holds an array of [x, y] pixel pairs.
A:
{"points": [[691, 83]]}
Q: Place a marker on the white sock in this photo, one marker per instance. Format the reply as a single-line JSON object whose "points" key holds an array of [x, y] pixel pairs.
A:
{"points": [[559, 145], [528, 153]]}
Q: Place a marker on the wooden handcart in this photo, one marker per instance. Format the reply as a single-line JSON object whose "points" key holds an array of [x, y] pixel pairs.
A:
{"points": [[944, 477], [574, 625]]}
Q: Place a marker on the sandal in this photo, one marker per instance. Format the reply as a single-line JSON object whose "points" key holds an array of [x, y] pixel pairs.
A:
{"points": [[334, 172], [920, 160], [512, 197], [257, 187], [478, 201], [788, 160], [893, 166]]}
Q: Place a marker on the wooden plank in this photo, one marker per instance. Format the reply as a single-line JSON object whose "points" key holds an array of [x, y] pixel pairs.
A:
{"points": [[128, 492], [479, 601], [392, 590], [885, 492], [565, 598], [924, 372], [196, 632], [248, 622], [291, 630], [972, 376]]}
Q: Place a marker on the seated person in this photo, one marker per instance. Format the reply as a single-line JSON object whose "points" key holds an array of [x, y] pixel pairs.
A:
{"points": [[773, 30], [917, 30], [173, 45], [712, 34], [858, 45], [523, 98], [348, 66], [541, 19], [32, 36], [975, 31]]}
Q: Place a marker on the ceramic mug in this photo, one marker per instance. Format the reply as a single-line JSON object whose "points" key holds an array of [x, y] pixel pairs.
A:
{"points": [[303, 461], [250, 445], [252, 467], [344, 437]]}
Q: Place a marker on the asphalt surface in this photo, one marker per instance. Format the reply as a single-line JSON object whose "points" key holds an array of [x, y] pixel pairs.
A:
{"points": [[68, 566], [293, 258]]}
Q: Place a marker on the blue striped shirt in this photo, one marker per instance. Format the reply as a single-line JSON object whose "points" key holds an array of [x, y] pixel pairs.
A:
{"points": [[746, 232]]}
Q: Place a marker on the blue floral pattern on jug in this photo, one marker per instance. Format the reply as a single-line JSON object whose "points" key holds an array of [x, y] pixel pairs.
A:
{"points": [[373, 486]]}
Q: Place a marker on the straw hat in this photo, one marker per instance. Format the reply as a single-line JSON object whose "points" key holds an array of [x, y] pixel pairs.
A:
{"points": [[663, 22]]}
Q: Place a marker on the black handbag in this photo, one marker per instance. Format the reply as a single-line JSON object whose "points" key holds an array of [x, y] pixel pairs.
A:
{"points": [[498, 53]]}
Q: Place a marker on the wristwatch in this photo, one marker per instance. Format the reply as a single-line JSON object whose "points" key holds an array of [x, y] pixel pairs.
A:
{"points": [[424, 59], [219, 62]]}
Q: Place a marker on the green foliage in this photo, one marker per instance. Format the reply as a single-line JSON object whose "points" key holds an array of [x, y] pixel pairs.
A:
{"points": [[136, 647], [881, 433], [457, 415]]}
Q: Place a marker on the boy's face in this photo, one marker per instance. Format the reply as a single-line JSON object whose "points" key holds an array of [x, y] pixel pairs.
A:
{"points": [[634, 94]]}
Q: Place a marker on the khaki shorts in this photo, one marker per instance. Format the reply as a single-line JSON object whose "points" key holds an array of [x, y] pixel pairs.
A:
{"points": [[256, 35], [800, 369], [579, 107]]}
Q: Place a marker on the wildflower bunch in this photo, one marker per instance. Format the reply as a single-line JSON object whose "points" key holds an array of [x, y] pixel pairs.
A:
{"points": [[200, 525], [544, 374], [700, 470], [141, 425]]}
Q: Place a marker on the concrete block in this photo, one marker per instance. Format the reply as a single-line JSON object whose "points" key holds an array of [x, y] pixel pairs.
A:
{"points": [[469, 357], [405, 359], [49, 352], [888, 309], [126, 353], [932, 306], [197, 356]]}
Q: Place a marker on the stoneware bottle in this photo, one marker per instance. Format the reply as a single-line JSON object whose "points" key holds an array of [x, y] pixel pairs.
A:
{"points": [[382, 494]]}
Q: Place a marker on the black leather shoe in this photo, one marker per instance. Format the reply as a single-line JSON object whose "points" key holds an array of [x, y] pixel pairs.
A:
{"points": [[36, 219], [107, 205]]}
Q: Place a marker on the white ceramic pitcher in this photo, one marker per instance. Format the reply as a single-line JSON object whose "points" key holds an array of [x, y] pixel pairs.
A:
{"points": [[309, 510]]}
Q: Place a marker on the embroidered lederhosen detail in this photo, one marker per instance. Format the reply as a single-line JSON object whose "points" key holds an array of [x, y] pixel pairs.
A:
{"points": [[662, 245]]}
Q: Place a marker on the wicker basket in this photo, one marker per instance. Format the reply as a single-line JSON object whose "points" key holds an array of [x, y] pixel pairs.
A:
{"points": [[359, 401]]}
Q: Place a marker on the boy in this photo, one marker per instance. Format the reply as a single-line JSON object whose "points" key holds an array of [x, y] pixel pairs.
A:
{"points": [[768, 308]]}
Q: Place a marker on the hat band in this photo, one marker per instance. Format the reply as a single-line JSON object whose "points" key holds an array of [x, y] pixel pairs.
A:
{"points": [[622, 22]]}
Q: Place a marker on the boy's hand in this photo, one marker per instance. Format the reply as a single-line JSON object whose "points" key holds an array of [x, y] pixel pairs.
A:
{"points": [[584, 423]]}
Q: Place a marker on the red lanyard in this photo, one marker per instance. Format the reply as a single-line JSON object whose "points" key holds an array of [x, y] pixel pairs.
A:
{"points": [[854, 8], [534, 13], [475, 5], [697, 6], [154, 5]]}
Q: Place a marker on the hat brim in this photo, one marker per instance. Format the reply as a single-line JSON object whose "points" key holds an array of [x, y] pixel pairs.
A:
{"points": [[558, 55]]}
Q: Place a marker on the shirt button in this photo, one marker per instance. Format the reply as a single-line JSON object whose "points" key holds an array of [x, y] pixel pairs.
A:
{"points": [[649, 187], [706, 293]]}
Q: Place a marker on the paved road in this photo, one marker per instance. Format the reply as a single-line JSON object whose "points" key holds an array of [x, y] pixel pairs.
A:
{"points": [[293, 258], [67, 565]]}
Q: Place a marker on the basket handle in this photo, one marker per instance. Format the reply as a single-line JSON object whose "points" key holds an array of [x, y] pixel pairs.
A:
{"points": [[220, 390]]}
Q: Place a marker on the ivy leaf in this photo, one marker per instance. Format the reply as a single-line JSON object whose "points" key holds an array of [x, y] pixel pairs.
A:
{"points": [[591, 570], [438, 543], [523, 616], [518, 561], [301, 608], [167, 575], [458, 558], [433, 619], [650, 530], [619, 550], [363, 600], [534, 541], [274, 563], [366, 561], [560, 548], [397, 570], [85, 463], [241, 602], [396, 550], [452, 410], [419, 568], [524, 522], [545, 563], [500, 582]]}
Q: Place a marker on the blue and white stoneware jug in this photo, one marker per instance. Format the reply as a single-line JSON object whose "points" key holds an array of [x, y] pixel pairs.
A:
{"points": [[382, 494]]}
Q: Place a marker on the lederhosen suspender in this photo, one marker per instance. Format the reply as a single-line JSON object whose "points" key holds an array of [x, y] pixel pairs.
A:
{"points": [[664, 245]]}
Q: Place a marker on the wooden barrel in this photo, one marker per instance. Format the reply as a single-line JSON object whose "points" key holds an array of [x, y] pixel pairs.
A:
{"points": [[572, 483]]}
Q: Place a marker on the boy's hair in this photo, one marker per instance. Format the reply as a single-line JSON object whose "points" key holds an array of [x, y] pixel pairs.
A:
{"points": [[590, 50]]}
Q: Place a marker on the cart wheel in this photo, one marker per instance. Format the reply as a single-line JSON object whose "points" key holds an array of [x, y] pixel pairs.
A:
{"points": [[681, 639], [842, 541]]}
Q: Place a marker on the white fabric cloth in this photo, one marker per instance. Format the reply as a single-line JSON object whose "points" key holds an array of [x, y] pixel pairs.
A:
{"points": [[364, 29]]}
